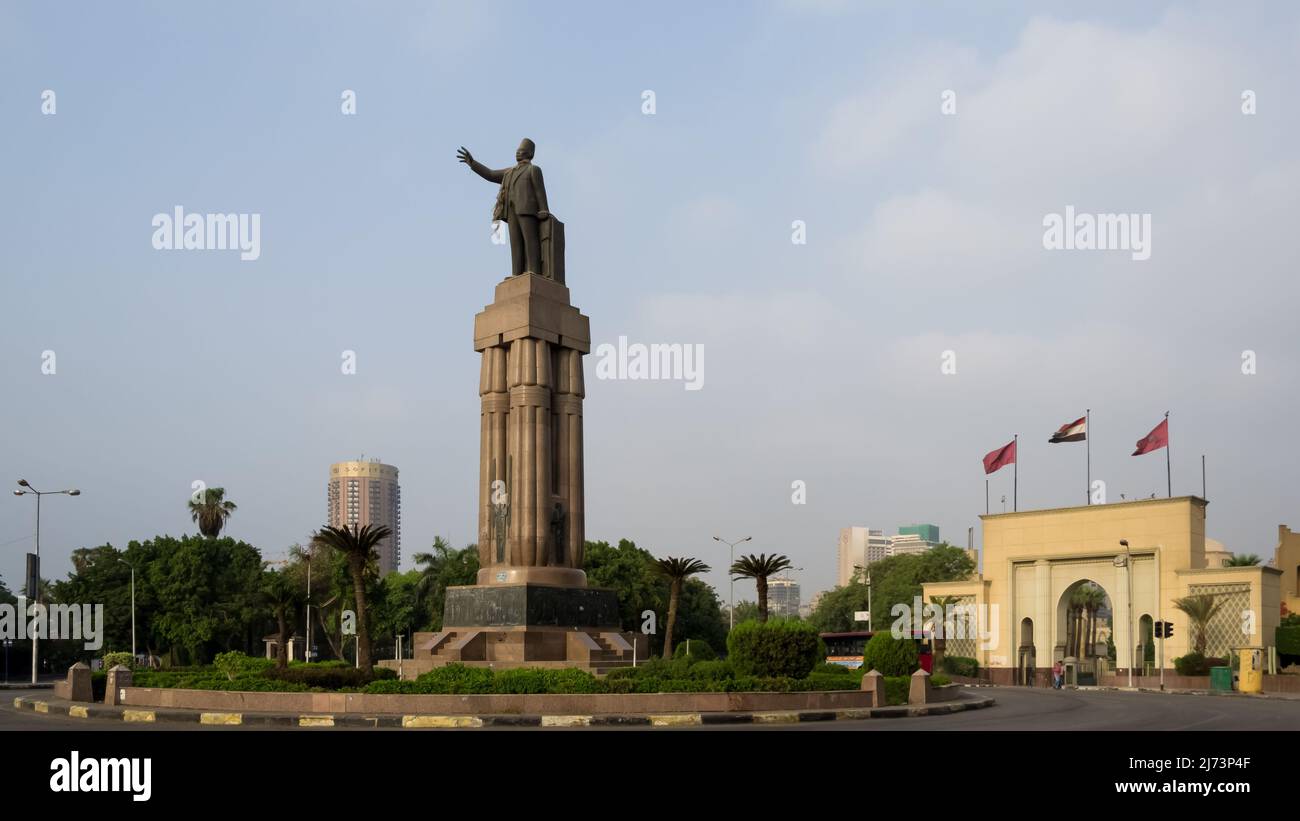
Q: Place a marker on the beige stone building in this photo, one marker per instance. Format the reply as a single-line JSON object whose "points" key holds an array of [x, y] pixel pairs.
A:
{"points": [[366, 492], [1035, 560]]}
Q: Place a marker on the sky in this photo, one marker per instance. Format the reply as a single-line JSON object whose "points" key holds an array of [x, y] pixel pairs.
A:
{"points": [[919, 324]]}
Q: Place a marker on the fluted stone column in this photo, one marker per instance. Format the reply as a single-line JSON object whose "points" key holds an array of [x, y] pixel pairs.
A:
{"points": [[532, 342]]}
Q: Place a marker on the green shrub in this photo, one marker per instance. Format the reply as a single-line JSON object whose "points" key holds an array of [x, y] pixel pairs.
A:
{"points": [[456, 678], [897, 689], [572, 680], [1195, 664], [327, 678], [235, 664], [699, 650], [520, 680], [891, 656], [1288, 639], [719, 670], [939, 680], [961, 666], [774, 649], [111, 660], [826, 668]]}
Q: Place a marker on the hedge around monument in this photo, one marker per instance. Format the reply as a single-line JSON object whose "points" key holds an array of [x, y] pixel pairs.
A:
{"points": [[891, 656], [775, 648]]}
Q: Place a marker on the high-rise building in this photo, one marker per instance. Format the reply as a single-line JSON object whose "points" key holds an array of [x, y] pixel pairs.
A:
{"points": [[366, 492], [928, 533], [782, 598], [859, 546]]}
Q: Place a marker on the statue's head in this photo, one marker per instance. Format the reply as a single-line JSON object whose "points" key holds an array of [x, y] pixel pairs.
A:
{"points": [[525, 150]]}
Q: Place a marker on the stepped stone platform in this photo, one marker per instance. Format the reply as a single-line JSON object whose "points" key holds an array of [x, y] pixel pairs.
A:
{"points": [[526, 625]]}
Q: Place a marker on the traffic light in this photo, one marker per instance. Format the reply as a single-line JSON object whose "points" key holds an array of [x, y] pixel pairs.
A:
{"points": [[1160, 629], [1169, 629], [1164, 629]]}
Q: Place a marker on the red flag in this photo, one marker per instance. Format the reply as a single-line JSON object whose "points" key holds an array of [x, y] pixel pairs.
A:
{"points": [[1000, 458], [1155, 440]]}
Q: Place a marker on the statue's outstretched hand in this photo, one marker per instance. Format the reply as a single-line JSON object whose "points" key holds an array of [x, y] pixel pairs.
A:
{"points": [[464, 156]]}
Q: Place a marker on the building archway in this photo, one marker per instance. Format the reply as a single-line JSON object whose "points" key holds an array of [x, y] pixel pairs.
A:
{"points": [[1083, 629], [1025, 653]]}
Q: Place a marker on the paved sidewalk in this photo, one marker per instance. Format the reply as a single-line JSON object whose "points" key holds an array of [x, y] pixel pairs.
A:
{"points": [[200, 718]]}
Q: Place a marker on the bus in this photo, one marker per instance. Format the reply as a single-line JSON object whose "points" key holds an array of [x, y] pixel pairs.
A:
{"points": [[846, 649]]}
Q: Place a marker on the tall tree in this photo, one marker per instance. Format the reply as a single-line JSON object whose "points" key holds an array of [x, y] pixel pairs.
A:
{"points": [[1249, 560], [282, 597], [760, 568], [212, 511], [439, 569], [1200, 609], [359, 547], [676, 571]]}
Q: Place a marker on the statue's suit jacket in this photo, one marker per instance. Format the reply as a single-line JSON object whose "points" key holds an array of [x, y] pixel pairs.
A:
{"points": [[522, 189]]}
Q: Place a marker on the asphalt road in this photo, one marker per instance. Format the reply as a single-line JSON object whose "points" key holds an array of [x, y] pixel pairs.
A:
{"points": [[1017, 708]]}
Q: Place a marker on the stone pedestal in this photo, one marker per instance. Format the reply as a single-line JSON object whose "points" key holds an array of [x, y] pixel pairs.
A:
{"points": [[530, 522], [531, 606]]}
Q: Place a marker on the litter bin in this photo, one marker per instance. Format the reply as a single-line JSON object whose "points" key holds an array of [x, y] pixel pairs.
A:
{"points": [[1221, 678], [1251, 678]]}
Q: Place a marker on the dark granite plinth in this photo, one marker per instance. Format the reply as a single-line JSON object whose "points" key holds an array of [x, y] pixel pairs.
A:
{"points": [[530, 605]]}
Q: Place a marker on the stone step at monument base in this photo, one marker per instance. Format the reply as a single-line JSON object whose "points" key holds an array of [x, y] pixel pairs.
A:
{"points": [[596, 651]]}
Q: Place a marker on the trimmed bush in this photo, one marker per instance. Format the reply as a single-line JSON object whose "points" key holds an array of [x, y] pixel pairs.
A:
{"points": [[699, 650], [826, 668], [456, 678], [891, 656], [327, 678], [774, 649], [1195, 664], [235, 664], [111, 660], [1288, 640], [712, 671], [961, 666]]}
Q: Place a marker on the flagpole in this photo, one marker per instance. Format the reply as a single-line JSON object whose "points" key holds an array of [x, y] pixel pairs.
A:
{"points": [[986, 497], [1015, 482], [1087, 438], [1203, 494], [1169, 476]]}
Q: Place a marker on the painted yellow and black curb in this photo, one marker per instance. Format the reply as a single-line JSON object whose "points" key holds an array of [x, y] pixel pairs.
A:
{"points": [[447, 722]]}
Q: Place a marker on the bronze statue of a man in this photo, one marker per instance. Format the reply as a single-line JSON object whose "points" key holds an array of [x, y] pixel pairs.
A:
{"points": [[521, 202]]}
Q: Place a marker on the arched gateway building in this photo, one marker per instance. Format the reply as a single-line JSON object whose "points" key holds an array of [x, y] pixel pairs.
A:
{"points": [[1057, 584]]}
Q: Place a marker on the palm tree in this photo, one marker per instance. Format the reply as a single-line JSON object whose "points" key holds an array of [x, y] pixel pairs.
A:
{"points": [[358, 546], [941, 625], [1200, 610], [1250, 560], [760, 568], [282, 597], [211, 514], [676, 571]]}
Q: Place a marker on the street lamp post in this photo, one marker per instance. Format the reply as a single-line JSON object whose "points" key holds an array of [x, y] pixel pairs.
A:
{"points": [[1127, 563], [310, 654], [28, 490], [732, 545], [863, 568], [128, 564]]}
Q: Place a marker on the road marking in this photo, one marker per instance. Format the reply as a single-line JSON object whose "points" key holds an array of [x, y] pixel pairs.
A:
{"points": [[776, 718], [676, 720], [566, 721], [315, 721], [78, 711], [41, 707], [138, 715], [221, 718], [442, 721]]}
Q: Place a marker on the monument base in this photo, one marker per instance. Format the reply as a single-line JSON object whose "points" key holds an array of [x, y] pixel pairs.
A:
{"points": [[527, 625]]}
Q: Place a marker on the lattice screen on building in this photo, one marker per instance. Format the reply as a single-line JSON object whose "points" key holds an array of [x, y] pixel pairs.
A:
{"points": [[1224, 632], [965, 647]]}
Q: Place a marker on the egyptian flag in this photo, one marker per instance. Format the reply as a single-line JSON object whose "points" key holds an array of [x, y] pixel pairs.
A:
{"points": [[1075, 431], [1155, 440], [1000, 458]]}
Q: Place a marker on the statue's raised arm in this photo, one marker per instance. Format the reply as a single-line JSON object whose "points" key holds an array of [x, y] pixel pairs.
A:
{"points": [[521, 203]]}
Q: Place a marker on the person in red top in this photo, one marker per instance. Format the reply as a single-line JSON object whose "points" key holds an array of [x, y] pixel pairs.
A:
{"points": [[1057, 670]]}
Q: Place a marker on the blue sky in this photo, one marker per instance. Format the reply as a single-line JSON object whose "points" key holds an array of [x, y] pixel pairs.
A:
{"points": [[822, 365]]}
